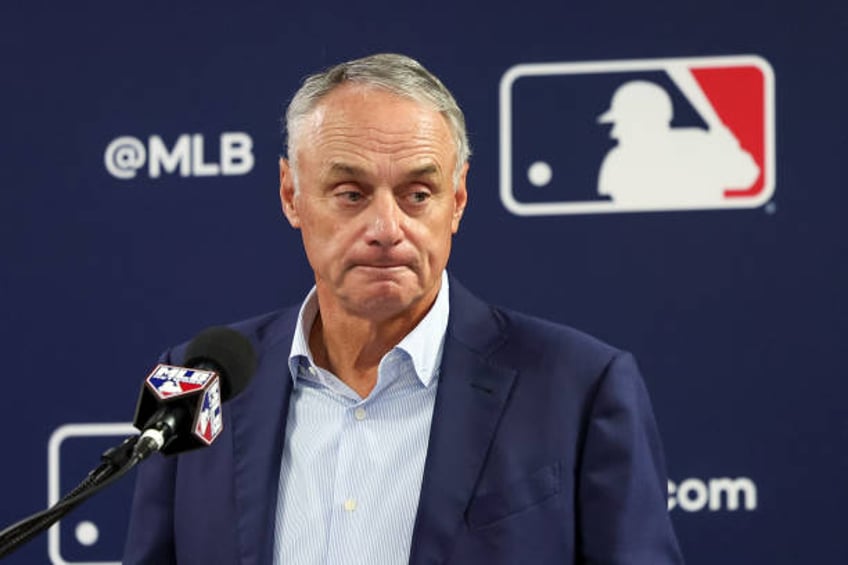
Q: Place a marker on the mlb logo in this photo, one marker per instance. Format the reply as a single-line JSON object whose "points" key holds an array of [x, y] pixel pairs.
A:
{"points": [[168, 381], [637, 135], [210, 421], [94, 533]]}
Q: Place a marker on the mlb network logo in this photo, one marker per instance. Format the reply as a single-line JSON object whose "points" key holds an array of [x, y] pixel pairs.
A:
{"points": [[210, 420], [167, 380], [637, 135]]}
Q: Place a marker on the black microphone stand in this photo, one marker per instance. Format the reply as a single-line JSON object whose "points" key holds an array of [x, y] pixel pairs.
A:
{"points": [[116, 462]]}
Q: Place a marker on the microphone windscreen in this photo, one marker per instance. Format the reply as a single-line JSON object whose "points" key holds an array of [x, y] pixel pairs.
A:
{"points": [[229, 352]]}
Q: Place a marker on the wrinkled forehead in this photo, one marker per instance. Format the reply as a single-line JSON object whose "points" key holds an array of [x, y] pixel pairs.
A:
{"points": [[369, 104], [359, 109]]}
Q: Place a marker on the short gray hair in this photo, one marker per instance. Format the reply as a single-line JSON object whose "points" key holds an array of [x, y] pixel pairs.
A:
{"points": [[398, 74]]}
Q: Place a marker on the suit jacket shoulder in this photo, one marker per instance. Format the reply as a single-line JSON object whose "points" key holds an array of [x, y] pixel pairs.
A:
{"points": [[542, 449]]}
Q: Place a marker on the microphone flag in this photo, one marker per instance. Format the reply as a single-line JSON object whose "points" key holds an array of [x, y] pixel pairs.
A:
{"points": [[197, 389]]}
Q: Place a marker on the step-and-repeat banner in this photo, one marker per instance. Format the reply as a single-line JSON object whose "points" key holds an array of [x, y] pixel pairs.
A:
{"points": [[669, 178]]}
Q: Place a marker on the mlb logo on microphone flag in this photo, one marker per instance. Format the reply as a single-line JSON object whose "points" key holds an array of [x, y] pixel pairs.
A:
{"points": [[637, 135], [198, 390], [168, 381], [209, 421]]}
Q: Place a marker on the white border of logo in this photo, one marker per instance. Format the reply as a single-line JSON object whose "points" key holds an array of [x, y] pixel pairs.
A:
{"points": [[53, 476], [626, 65]]}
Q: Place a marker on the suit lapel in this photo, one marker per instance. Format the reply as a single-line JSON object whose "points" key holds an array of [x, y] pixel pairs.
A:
{"points": [[471, 397], [259, 419]]}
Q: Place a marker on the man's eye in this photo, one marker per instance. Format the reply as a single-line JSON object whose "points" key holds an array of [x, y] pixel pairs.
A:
{"points": [[419, 196], [351, 196]]}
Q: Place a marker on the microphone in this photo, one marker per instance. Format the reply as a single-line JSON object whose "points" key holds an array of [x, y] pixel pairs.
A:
{"points": [[179, 407]]}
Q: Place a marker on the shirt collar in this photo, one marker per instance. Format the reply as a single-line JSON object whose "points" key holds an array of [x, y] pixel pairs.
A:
{"points": [[423, 344]]}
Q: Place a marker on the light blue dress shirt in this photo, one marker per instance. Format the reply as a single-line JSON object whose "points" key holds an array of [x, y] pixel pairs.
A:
{"points": [[352, 467]]}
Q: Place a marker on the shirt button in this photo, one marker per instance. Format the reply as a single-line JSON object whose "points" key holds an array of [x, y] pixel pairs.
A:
{"points": [[312, 370], [350, 505], [359, 413]]}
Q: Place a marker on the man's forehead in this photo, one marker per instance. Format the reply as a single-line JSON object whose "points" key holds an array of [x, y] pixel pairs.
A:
{"points": [[423, 168], [355, 123], [353, 92]]}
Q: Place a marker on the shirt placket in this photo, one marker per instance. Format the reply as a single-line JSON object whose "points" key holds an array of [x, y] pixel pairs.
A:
{"points": [[351, 507]]}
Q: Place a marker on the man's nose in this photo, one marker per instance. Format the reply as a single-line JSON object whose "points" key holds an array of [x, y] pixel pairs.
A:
{"points": [[385, 220]]}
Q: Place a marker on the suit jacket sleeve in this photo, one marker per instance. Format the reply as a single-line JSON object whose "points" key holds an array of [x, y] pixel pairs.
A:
{"points": [[150, 538], [622, 500]]}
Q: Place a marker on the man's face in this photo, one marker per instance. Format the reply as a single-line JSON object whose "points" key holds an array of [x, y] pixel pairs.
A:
{"points": [[375, 201]]}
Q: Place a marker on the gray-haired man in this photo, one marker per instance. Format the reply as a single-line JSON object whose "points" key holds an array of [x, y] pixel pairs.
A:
{"points": [[394, 417]]}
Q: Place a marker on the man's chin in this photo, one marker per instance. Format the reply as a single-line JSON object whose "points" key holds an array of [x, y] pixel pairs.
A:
{"points": [[383, 300]]}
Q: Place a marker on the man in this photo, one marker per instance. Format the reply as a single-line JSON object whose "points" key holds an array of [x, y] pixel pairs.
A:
{"points": [[394, 417]]}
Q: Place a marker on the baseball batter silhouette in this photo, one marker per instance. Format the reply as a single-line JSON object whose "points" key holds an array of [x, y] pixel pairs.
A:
{"points": [[654, 164]]}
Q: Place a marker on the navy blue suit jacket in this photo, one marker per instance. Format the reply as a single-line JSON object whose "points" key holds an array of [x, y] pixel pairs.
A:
{"points": [[543, 449]]}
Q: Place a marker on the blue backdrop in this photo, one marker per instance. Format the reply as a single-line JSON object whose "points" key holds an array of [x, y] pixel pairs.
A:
{"points": [[139, 205]]}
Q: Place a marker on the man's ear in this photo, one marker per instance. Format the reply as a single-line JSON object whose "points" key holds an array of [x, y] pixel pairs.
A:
{"points": [[287, 190], [460, 196]]}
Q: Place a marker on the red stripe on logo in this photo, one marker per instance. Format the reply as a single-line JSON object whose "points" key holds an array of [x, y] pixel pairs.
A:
{"points": [[738, 97]]}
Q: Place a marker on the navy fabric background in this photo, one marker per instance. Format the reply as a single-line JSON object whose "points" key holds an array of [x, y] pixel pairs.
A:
{"points": [[737, 316]]}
